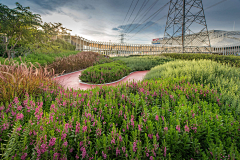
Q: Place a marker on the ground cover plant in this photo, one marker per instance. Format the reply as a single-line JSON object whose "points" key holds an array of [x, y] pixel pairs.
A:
{"points": [[142, 63], [105, 73], [164, 119], [224, 78], [77, 62], [229, 59]]}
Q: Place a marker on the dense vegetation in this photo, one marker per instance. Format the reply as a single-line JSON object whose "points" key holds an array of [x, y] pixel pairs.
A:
{"points": [[23, 33], [223, 78], [105, 73], [167, 119], [142, 63], [230, 59]]}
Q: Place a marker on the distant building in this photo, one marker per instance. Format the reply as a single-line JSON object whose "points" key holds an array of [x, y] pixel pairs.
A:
{"points": [[217, 38]]}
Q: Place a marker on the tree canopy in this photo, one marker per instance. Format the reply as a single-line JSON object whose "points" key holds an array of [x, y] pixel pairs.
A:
{"points": [[21, 27]]}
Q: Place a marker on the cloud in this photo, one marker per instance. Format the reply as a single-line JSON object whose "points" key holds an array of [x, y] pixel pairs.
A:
{"points": [[54, 5], [115, 29]]}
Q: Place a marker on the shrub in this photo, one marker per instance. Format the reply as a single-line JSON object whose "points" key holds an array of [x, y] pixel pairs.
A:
{"points": [[104, 73], [101, 59], [229, 59], [224, 78], [42, 59], [76, 62], [142, 63], [164, 119]]}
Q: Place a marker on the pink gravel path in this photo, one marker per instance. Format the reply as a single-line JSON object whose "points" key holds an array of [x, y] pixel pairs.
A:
{"points": [[72, 81]]}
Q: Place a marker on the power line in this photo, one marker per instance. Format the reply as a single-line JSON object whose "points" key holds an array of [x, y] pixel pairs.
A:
{"points": [[215, 4], [131, 15], [128, 12], [157, 12], [147, 27], [154, 3], [151, 19], [165, 16], [136, 15]]}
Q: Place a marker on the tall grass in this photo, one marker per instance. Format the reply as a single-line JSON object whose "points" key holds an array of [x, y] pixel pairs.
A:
{"points": [[77, 62], [17, 79], [224, 78]]}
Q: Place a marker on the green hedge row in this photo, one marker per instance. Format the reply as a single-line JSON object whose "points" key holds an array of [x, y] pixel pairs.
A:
{"points": [[230, 59], [142, 63]]}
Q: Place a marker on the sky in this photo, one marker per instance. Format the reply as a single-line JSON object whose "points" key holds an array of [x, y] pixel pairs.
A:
{"points": [[105, 20]]}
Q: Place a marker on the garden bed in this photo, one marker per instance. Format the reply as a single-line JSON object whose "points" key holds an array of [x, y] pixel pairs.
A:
{"points": [[104, 73]]}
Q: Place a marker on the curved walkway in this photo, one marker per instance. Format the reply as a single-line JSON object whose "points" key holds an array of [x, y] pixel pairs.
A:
{"points": [[71, 80]]}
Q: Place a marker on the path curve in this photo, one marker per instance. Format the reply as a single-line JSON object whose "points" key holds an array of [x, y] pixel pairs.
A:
{"points": [[71, 80]]}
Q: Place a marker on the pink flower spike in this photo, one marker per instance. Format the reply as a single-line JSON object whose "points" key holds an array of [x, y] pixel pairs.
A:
{"points": [[178, 128], [166, 128], [186, 128], [165, 152], [157, 118], [162, 118]]}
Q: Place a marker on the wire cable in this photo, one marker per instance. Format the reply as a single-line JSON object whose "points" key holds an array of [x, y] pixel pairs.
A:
{"points": [[215, 4], [156, 13], [131, 14], [147, 27], [136, 15], [127, 12]]}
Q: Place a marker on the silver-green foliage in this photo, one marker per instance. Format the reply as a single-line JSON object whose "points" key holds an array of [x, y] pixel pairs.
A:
{"points": [[224, 78]]}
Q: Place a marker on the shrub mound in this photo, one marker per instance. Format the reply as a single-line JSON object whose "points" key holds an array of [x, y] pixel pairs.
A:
{"points": [[105, 73], [164, 119], [224, 78], [143, 63], [230, 59]]}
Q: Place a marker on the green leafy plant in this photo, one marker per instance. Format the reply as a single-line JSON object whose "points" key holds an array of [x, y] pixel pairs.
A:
{"points": [[142, 63], [230, 59], [104, 73]]}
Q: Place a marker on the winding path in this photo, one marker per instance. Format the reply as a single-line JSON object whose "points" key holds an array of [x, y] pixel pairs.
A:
{"points": [[71, 80]]}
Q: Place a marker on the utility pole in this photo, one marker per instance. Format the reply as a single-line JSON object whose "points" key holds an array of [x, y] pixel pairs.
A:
{"points": [[183, 26], [183, 16], [122, 37]]}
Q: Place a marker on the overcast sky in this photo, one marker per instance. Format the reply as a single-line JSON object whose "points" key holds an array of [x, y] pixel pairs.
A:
{"points": [[102, 20]]}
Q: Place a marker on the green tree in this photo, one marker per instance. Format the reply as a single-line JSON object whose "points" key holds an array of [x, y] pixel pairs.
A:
{"points": [[18, 24]]}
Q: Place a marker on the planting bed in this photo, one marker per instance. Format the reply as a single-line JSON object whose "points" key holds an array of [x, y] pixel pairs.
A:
{"points": [[72, 80], [104, 73], [179, 111]]}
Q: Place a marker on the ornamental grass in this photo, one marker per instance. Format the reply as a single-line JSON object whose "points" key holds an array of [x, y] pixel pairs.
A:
{"points": [[76, 62], [18, 79]]}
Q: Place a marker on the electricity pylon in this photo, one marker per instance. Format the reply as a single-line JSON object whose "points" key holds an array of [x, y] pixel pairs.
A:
{"points": [[184, 17], [122, 37]]}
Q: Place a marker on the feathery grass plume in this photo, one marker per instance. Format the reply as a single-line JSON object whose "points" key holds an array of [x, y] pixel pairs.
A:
{"points": [[18, 79], [77, 62]]}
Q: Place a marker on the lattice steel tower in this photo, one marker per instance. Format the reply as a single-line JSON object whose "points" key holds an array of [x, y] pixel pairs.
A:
{"points": [[184, 17]]}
